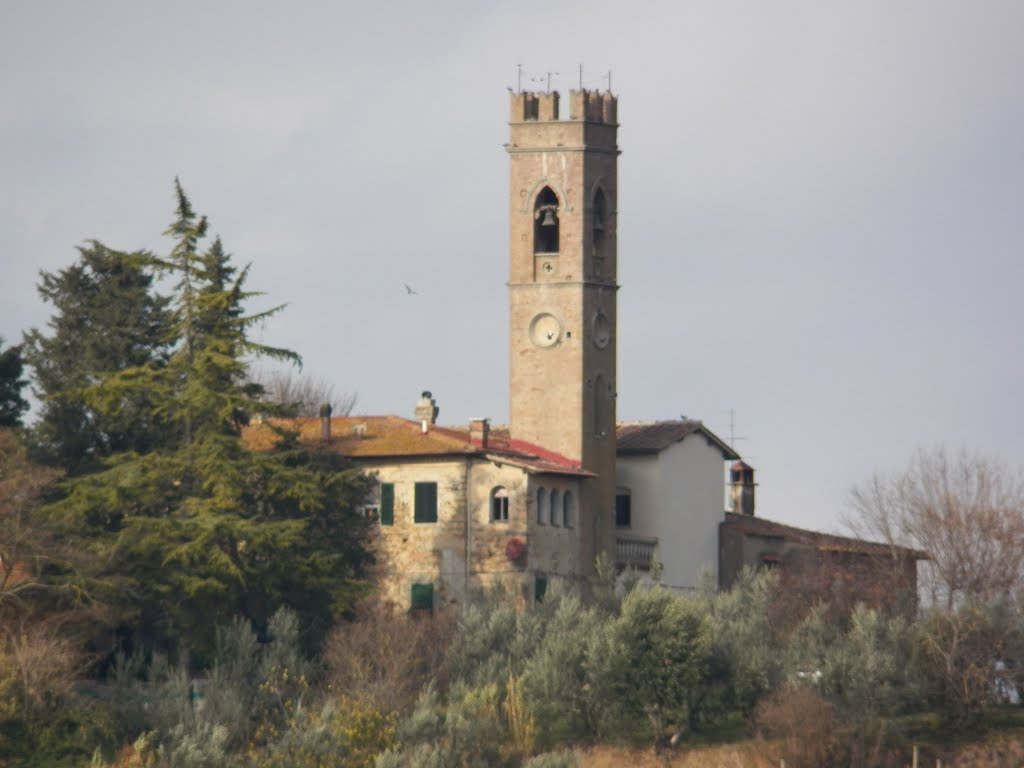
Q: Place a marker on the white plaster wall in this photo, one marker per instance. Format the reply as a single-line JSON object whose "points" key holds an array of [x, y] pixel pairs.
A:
{"points": [[679, 498], [691, 488]]}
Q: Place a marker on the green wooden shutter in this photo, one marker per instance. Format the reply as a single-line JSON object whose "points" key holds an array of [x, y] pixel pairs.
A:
{"points": [[422, 597], [387, 503], [426, 503], [540, 587]]}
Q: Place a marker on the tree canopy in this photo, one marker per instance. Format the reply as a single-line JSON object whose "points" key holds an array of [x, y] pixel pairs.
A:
{"points": [[196, 528], [12, 404], [107, 318]]}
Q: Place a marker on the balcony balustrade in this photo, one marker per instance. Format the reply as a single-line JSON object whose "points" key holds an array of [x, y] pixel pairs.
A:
{"points": [[635, 551]]}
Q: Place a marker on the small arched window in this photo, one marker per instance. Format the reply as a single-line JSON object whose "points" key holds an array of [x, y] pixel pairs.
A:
{"points": [[545, 222], [542, 498], [556, 508], [499, 504], [568, 510]]}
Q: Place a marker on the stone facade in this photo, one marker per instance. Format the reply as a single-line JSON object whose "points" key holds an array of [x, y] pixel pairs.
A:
{"points": [[562, 290], [467, 550]]}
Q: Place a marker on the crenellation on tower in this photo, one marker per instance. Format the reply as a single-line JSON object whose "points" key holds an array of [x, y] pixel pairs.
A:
{"points": [[547, 106], [585, 106], [593, 106]]}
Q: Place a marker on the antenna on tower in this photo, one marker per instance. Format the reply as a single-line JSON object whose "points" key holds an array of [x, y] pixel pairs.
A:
{"points": [[581, 76], [732, 428], [609, 81]]}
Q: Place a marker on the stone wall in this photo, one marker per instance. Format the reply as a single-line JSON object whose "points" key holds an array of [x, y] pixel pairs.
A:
{"points": [[462, 554]]}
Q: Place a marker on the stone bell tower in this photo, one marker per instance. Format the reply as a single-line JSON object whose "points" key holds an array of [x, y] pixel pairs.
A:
{"points": [[562, 289]]}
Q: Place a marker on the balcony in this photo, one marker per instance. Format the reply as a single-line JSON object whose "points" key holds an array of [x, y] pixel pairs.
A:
{"points": [[634, 551]]}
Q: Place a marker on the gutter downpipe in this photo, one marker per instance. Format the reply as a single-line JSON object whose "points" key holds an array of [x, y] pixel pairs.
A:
{"points": [[469, 525]]}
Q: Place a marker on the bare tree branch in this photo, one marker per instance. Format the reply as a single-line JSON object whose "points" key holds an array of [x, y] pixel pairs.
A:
{"points": [[965, 511], [304, 395]]}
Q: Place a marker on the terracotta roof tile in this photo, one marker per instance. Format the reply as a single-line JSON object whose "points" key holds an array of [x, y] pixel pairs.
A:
{"points": [[394, 437], [656, 436], [826, 542]]}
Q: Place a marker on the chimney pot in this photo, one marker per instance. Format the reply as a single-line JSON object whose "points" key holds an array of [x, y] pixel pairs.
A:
{"points": [[325, 422], [479, 431], [426, 410]]}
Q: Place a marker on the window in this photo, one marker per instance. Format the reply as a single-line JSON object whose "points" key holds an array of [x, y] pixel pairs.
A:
{"points": [[545, 222], [568, 510], [541, 511], [422, 597], [598, 221], [556, 508], [425, 510], [540, 587], [601, 392], [387, 504], [499, 504], [623, 508]]}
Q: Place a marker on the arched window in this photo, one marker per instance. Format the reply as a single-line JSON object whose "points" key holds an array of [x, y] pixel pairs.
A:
{"points": [[545, 222], [499, 504], [568, 510], [542, 498], [556, 508]]}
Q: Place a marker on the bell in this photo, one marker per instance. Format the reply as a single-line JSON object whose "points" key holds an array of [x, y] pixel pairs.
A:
{"points": [[549, 219], [598, 224]]}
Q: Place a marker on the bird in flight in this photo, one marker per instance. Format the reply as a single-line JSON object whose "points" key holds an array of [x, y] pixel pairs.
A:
{"points": [[409, 290]]}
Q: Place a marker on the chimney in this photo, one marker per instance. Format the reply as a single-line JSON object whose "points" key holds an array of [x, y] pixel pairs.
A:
{"points": [[325, 423], [479, 430], [426, 410], [741, 483]]}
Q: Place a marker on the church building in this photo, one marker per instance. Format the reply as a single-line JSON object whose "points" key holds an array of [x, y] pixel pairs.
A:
{"points": [[462, 508]]}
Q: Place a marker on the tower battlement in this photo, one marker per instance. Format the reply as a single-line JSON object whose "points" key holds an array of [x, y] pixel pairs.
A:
{"points": [[584, 106]]}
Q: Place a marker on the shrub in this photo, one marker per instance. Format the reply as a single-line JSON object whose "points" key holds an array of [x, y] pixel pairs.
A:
{"points": [[800, 723], [646, 663], [554, 678], [341, 734], [384, 659]]}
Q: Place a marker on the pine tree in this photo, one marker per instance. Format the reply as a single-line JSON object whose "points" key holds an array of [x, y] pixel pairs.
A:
{"points": [[107, 319], [201, 528], [12, 404]]}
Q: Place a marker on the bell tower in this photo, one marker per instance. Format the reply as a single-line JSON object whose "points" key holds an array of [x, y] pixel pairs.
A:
{"points": [[562, 290]]}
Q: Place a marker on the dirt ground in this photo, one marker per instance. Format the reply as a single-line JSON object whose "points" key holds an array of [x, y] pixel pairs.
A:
{"points": [[729, 756]]}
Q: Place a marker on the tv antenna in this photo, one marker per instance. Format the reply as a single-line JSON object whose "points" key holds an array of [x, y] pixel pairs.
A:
{"points": [[732, 429]]}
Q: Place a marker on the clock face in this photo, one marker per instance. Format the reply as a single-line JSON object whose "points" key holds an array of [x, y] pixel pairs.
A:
{"points": [[602, 330], [545, 330]]}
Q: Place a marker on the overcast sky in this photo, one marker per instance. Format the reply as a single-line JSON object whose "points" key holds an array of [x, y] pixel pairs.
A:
{"points": [[821, 205]]}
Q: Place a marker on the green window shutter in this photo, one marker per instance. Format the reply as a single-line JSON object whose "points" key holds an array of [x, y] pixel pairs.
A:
{"points": [[426, 503], [540, 588], [387, 503], [422, 597]]}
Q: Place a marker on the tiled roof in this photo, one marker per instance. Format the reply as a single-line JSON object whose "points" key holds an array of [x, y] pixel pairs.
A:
{"points": [[825, 542], [656, 436], [366, 437]]}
